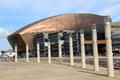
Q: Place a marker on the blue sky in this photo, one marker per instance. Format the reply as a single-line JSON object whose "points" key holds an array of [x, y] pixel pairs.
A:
{"points": [[15, 14]]}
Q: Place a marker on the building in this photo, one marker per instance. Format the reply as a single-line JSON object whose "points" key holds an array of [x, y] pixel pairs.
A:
{"points": [[61, 28], [8, 53]]}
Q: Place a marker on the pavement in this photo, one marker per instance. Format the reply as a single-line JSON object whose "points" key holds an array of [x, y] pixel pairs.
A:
{"points": [[53, 71]]}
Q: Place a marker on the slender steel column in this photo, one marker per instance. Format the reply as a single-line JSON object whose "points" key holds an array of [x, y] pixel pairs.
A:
{"points": [[16, 53], [82, 49], [27, 53], [109, 47], [95, 48], [38, 52], [71, 49], [49, 53]]}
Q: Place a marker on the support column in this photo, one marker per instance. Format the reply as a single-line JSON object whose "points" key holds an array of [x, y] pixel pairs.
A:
{"points": [[109, 47], [82, 49], [95, 48], [49, 53], [60, 49], [71, 49], [38, 52], [27, 53], [16, 53]]}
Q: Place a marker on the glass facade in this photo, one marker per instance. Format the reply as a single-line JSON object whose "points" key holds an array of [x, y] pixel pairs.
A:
{"points": [[53, 37]]}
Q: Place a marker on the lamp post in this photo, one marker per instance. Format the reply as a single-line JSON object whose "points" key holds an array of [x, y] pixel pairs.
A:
{"points": [[82, 49], [27, 53], [16, 52], [109, 47], [95, 48], [49, 52], [38, 52]]}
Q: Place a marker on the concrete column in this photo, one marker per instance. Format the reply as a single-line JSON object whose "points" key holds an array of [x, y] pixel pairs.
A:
{"points": [[38, 52], [49, 53], [82, 49], [95, 49], [109, 48], [60, 49], [71, 49], [16, 53], [27, 53]]}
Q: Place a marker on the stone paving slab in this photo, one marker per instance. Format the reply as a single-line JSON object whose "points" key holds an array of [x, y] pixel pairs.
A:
{"points": [[45, 71]]}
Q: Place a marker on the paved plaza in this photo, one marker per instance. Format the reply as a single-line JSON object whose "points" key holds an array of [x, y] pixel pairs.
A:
{"points": [[53, 71]]}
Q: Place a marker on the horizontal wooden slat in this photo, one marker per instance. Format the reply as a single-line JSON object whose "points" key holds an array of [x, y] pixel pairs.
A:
{"points": [[98, 42]]}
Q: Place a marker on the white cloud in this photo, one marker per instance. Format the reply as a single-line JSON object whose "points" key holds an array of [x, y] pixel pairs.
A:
{"points": [[3, 33]]}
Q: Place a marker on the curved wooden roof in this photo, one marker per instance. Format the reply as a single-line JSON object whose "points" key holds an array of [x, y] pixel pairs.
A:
{"points": [[56, 23]]}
